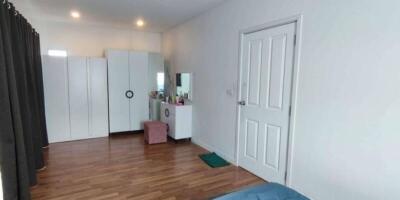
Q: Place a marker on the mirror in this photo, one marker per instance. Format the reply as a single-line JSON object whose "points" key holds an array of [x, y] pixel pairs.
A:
{"points": [[184, 85], [156, 76]]}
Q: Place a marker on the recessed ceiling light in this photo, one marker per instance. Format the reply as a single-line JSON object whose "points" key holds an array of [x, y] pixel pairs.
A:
{"points": [[139, 23], [75, 14]]}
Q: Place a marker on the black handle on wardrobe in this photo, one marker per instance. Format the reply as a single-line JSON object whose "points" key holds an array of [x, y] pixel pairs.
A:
{"points": [[166, 112], [129, 94]]}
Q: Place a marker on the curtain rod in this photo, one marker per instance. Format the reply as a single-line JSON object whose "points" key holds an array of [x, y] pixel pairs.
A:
{"points": [[9, 4]]}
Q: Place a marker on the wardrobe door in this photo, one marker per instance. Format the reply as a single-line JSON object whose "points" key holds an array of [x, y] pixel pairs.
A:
{"points": [[55, 82], [98, 98], [78, 97], [118, 88], [139, 107]]}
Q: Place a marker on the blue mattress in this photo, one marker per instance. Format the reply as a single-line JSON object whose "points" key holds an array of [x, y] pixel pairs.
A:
{"points": [[268, 191]]}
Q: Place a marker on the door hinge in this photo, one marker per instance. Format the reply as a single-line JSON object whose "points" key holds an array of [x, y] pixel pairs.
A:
{"points": [[285, 176], [290, 111], [295, 40]]}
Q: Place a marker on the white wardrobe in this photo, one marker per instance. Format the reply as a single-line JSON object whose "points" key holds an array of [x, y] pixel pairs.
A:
{"points": [[76, 103], [129, 87]]}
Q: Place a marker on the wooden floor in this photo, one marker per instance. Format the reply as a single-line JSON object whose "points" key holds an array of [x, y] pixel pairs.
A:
{"points": [[123, 167]]}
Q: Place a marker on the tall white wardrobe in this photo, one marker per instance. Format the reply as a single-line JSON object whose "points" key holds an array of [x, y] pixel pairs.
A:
{"points": [[76, 102], [130, 76]]}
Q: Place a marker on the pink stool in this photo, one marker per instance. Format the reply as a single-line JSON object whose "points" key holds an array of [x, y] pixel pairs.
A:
{"points": [[155, 132]]}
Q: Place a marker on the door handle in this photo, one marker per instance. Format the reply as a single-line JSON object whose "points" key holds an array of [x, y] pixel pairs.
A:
{"points": [[129, 94], [242, 103]]}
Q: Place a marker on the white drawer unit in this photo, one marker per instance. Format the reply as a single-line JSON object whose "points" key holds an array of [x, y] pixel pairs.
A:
{"points": [[179, 120]]}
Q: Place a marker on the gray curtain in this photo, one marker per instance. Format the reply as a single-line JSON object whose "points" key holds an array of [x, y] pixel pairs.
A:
{"points": [[22, 121]]}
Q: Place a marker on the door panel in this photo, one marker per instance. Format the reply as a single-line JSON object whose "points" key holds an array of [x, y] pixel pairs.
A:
{"points": [[254, 75], [277, 72], [139, 104], [266, 79], [118, 84], [55, 83], [98, 97], [78, 97], [251, 139], [273, 135]]}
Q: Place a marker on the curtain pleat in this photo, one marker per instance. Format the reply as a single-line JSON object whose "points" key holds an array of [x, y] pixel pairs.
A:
{"points": [[22, 116], [40, 89], [23, 94], [32, 92]]}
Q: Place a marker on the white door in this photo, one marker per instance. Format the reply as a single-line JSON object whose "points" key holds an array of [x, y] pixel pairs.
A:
{"points": [[98, 98], [118, 85], [78, 97], [55, 83], [266, 79], [139, 107]]}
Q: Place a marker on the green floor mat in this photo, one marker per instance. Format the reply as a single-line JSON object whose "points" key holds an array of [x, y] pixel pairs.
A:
{"points": [[213, 160]]}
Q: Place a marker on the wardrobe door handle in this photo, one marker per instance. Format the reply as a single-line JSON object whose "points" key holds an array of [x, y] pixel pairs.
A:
{"points": [[129, 94], [166, 112], [242, 103]]}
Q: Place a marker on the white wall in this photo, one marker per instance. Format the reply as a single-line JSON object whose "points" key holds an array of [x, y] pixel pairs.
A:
{"points": [[82, 39], [347, 133], [91, 40]]}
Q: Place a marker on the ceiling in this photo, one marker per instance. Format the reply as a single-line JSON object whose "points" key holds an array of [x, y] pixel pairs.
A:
{"points": [[159, 15]]}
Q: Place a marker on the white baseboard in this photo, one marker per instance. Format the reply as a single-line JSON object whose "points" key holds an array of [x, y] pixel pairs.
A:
{"points": [[210, 148], [77, 139]]}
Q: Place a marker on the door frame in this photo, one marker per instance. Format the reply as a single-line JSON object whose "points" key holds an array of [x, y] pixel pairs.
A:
{"points": [[298, 20]]}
